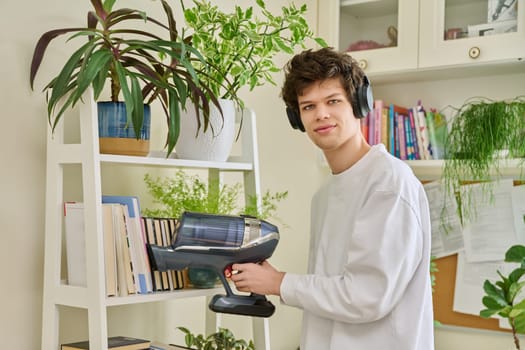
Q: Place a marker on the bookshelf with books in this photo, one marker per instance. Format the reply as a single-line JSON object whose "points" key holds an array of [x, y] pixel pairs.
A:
{"points": [[91, 293]]}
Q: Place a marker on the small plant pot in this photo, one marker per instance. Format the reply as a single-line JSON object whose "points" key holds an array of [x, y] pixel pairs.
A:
{"points": [[213, 145], [116, 135]]}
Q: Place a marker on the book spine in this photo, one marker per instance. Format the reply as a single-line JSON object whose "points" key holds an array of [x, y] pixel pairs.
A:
{"points": [[413, 135], [384, 128], [402, 139]]}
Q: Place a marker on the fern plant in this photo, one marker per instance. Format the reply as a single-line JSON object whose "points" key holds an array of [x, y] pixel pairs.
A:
{"points": [[185, 192], [221, 340]]}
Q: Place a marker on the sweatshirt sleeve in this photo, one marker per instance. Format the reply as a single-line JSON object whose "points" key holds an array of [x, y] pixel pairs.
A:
{"points": [[385, 251]]}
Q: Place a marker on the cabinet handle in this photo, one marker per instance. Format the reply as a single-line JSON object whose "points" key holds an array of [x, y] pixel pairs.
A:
{"points": [[474, 52], [363, 64]]}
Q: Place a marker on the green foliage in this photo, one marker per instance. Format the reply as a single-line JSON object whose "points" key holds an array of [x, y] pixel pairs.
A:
{"points": [[240, 46], [185, 192], [433, 270], [140, 65], [503, 297], [221, 340], [268, 204], [480, 129]]}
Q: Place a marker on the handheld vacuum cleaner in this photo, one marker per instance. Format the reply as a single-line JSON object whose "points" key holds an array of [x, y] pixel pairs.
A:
{"points": [[216, 242]]}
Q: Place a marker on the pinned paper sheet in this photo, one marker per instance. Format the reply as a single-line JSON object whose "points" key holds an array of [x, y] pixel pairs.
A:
{"points": [[447, 232], [490, 231]]}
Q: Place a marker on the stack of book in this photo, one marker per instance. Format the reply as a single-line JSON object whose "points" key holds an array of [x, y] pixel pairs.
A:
{"points": [[127, 265]]}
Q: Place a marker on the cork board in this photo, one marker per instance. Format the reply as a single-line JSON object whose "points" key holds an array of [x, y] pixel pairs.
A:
{"points": [[443, 299]]}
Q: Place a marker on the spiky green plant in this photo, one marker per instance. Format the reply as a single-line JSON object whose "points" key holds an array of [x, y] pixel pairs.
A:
{"points": [[140, 65]]}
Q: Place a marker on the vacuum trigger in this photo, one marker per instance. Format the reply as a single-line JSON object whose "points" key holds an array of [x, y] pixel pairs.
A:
{"points": [[228, 271]]}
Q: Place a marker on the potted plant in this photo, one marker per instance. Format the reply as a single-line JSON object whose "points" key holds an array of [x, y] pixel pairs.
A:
{"points": [[140, 65], [481, 131], [504, 298], [185, 192], [223, 339], [239, 48]]}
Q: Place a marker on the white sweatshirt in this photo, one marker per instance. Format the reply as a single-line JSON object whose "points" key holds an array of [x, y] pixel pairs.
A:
{"points": [[368, 283]]}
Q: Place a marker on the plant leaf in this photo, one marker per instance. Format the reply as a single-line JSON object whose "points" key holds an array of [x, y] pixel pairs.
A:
{"points": [[515, 253]]}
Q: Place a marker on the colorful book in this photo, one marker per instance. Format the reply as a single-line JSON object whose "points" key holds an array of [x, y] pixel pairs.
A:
{"points": [[401, 136], [394, 134], [437, 130], [413, 136], [384, 127], [378, 107], [408, 138], [422, 132]]}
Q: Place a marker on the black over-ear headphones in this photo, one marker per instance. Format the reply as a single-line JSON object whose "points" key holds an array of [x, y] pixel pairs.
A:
{"points": [[361, 104]]}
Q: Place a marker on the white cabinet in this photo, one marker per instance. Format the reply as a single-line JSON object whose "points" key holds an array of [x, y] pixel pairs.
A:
{"points": [[57, 294], [478, 38], [422, 27], [343, 23]]}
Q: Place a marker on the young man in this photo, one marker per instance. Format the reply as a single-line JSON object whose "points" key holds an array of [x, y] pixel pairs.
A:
{"points": [[368, 282]]}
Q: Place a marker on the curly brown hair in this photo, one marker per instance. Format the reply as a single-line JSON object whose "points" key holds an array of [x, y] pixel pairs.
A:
{"points": [[310, 66]]}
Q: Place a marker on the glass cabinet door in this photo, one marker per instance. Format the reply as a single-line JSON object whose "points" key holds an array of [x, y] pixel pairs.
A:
{"points": [[471, 31], [381, 34]]}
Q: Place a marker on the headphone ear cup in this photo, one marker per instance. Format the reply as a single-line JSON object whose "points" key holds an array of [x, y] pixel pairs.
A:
{"points": [[294, 118], [364, 99]]}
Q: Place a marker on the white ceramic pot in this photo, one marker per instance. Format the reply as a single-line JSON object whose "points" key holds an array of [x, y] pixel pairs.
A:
{"points": [[216, 143]]}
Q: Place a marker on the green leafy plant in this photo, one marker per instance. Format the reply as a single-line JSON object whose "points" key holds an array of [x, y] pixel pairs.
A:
{"points": [[140, 65], [185, 192], [240, 46], [221, 340], [480, 129], [503, 297], [433, 270]]}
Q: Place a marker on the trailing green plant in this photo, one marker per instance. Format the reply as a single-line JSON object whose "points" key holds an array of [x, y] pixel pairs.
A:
{"points": [[188, 192], [503, 297], [223, 339], [480, 129], [140, 65], [240, 46]]}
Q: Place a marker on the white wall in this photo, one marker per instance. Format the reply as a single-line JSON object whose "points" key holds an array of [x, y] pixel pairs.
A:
{"points": [[288, 162]]}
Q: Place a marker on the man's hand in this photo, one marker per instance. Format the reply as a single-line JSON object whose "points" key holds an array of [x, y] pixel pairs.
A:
{"points": [[260, 278]]}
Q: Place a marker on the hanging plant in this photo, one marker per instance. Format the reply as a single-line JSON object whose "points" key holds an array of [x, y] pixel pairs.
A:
{"points": [[482, 131]]}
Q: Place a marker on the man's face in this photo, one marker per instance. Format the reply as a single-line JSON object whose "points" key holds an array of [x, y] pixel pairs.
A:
{"points": [[327, 115]]}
